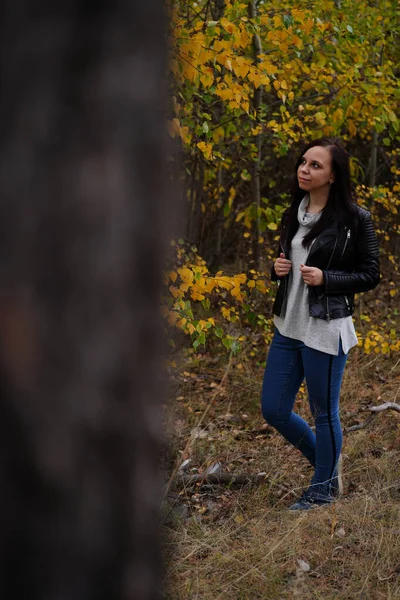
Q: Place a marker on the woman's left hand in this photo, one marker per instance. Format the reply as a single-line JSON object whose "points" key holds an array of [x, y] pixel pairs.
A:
{"points": [[312, 275]]}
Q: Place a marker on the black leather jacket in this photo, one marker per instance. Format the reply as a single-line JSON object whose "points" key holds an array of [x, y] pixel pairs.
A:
{"points": [[349, 260]]}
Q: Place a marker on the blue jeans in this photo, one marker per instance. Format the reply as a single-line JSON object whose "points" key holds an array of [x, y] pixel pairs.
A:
{"points": [[289, 362]]}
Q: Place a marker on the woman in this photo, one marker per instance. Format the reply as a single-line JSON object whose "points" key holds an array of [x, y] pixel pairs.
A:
{"points": [[328, 252]]}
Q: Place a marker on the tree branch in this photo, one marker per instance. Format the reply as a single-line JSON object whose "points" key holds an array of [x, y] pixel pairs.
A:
{"points": [[220, 479], [375, 410]]}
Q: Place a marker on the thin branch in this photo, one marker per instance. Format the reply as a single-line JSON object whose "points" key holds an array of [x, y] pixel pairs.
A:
{"points": [[375, 410], [385, 406], [359, 426], [220, 479]]}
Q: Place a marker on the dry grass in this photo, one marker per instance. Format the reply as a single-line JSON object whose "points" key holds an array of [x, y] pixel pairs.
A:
{"points": [[245, 544]]}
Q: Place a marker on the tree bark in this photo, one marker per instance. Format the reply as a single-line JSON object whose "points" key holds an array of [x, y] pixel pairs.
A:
{"points": [[373, 159], [255, 179], [84, 221]]}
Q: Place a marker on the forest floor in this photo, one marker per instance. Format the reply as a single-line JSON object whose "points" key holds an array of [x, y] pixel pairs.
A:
{"points": [[242, 543]]}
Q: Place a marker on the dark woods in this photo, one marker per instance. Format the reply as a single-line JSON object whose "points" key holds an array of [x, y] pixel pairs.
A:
{"points": [[82, 234]]}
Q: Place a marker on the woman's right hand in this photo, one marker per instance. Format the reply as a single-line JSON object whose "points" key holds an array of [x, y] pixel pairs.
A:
{"points": [[282, 265]]}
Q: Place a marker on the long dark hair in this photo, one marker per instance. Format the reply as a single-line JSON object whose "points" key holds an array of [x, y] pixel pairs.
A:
{"points": [[340, 209]]}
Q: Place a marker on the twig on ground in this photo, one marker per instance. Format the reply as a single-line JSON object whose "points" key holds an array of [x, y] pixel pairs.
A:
{"points": [[359, 426], [375, 410], [220, 479], [385, 406]]}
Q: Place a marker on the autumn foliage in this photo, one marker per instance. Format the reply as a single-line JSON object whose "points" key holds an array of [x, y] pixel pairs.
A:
{"points": [[249, 83]]}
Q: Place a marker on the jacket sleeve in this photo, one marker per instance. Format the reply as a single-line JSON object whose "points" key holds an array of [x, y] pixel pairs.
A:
{"points": [[366, 273]]}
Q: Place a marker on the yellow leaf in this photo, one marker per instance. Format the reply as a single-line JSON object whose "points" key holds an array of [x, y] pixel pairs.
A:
{"points": [[244, 39], [206, 149], [186, 274], [307, 26], [240, 278], [337, 115], [235, 292], [218, 134], [255, 77], [225, 94], [174, 291], [284, 85], [241, 70], [272, 226], [227, 25], [207, 78], [226, 313], [269, 68], [393, 293], [352, 129], [232, 194]]}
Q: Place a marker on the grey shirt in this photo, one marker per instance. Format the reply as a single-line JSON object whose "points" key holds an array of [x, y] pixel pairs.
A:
{"points": [[295, 321]]}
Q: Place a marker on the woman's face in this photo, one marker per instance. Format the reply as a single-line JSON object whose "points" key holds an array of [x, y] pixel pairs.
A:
{"points": [[315, 170]]}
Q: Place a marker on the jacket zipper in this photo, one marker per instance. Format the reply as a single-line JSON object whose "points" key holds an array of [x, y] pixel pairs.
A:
{"points": [[328, 316], [345, 244], [333, 252]]}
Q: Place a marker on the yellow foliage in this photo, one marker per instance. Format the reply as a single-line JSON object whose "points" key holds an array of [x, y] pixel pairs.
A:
{"points": [[227, 25], [206, 149], [186, 274]]}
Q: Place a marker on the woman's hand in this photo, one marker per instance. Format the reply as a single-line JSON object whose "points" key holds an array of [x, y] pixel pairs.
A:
{"points": [[282, 265], [312, 275]]}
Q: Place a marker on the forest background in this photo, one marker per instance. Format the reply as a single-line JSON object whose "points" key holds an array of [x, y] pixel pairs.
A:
{"points": [[250, 83]]}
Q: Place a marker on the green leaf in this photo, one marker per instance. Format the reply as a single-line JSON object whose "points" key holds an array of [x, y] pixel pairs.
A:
{"points": [[288, 20], [349, 28], [227, 342], [386, 141], [235, 347], [206, 303], [218, 332], [200, 340]]}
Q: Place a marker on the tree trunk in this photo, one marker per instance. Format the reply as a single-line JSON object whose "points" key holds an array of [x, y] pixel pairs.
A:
{"points": [[195, 230], [373, 160], [83, 227], [258, 93]]}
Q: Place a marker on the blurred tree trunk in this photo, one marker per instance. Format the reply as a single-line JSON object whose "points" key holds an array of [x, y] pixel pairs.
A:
{"points": [[82, 233]]}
